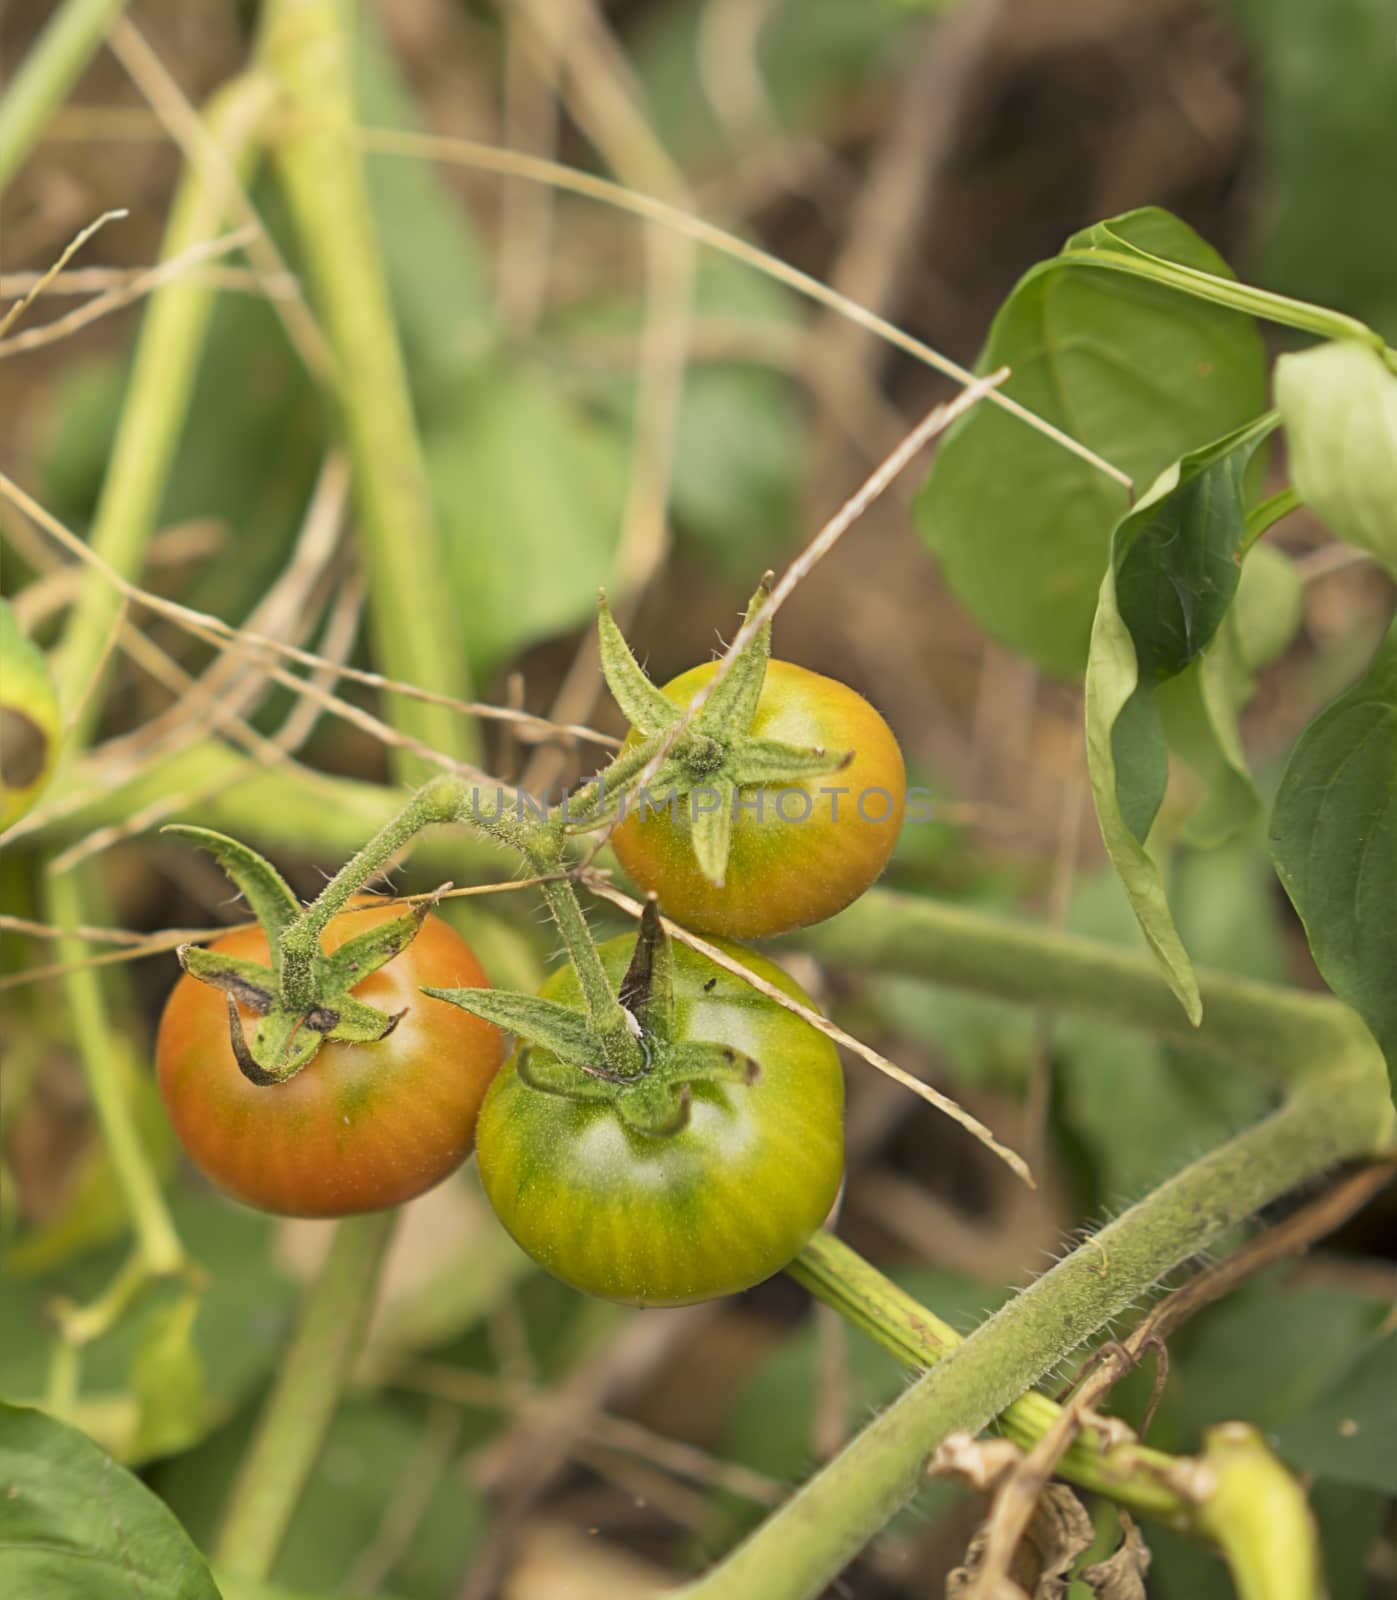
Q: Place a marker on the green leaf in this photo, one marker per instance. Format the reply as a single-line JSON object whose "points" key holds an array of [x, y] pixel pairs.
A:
{"points": [[267, 893], [530, 493], [1347, 1432], [1175, 554], [1339, 402], [1268, 606], [1127, 757], [556, 1028], [1172, 577], [645, 707], [1198, 710], [1139, 373], [167, 1378], [1334, 843], [1328, 151], [76, 1525]]}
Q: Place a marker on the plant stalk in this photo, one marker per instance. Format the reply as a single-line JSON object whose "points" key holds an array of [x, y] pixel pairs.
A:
{"points": [[157, 1243], [1282, 1031], [1131, 1474], [1264, 303], [299, 1410], [52, 66], [156, 404], [1338, 1114], [306, 45]]}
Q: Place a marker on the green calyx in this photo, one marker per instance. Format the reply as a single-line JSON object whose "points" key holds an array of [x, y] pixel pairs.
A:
{"points": [[302, 997], [709, 758], [559, 1053]]}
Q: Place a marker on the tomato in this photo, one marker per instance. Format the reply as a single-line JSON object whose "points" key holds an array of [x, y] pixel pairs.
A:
{"points": [[363, 1126], [667, 1219], [800, 852]]}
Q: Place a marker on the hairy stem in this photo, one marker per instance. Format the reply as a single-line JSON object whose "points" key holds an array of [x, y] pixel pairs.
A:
{"points": [[53, 65], [441, 800], [1341, 1113], [302, 1403], [1132, 1474], [306, 44]]}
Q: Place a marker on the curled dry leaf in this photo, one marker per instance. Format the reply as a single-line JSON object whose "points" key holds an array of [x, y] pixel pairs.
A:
{"points": [[1042, 1565]]}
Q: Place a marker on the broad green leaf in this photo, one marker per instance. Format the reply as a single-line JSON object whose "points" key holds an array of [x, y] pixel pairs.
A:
{"points": [[530, 493], [1328, 151], [1334, 843], [1347, 1432], [75, 1526], [1268, 606], [167, 1378], [1339, 402], [1140, 374]]}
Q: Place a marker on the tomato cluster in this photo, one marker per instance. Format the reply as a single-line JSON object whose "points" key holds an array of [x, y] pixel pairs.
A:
{"points": [[735, 1155]]}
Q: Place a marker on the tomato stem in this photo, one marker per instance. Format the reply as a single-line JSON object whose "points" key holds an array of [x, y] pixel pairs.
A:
{"points": [[1340, 1112]]}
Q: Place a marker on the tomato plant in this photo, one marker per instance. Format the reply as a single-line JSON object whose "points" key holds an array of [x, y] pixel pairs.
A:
{"points": [[1111, 499], [363, 1125], [706, 1207]]}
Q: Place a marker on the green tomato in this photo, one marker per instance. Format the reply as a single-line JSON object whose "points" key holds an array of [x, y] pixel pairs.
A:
{"points": [[715, 1207], [30, 726]]}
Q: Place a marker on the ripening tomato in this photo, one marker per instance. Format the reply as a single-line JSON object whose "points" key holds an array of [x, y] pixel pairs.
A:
{"points": [[800, 852], [363, 1126], [714, 1207]]}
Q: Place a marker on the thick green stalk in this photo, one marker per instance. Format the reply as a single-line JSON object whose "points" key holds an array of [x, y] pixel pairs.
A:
{"points": [[274, 808], [55, 62], [156, 1241], [1280, 1030], [157, 399], [1342, 1113], [302, 1403], [306, 45], [1132, 1474]]}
